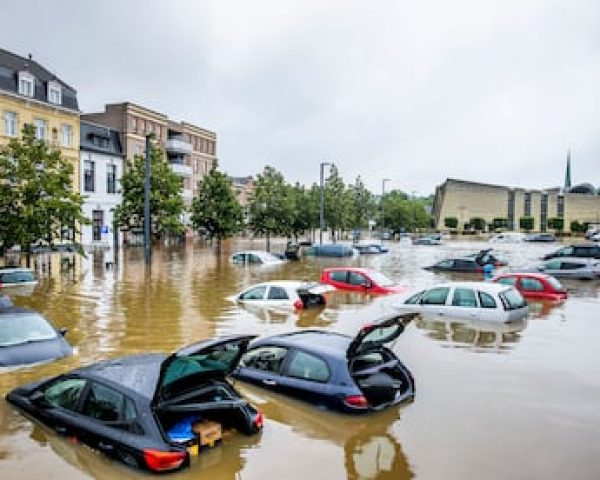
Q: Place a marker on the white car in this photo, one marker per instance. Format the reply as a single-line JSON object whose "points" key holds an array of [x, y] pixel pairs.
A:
{"points": [[16, 276], [508, 237], [483, 301], [286, 294], [255, 257]]}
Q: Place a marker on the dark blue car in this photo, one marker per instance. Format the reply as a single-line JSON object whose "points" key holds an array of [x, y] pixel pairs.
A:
{"points": [[26, 337], [331, 370], [331, 250]]}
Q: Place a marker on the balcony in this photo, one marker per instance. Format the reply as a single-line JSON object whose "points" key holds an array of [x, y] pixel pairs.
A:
{"points": [[177, 145], [181, 169]]}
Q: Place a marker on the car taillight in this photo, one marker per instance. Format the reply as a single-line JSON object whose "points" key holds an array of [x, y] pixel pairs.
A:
{"points": [[298, 305], [159, 461], [259, 420], [358, 401]]}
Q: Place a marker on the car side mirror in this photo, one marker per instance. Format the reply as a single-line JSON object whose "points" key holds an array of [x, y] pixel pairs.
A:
{"points": [[63, 331]]}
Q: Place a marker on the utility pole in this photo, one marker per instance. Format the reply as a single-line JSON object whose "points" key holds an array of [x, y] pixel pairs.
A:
{"points": [[414, 211], [147, 239], [382, 208], [321, 203]]}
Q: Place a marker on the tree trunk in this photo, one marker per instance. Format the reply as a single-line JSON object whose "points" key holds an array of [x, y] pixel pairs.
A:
{"points": [[28, 255], [219, 245], [268, 242]]}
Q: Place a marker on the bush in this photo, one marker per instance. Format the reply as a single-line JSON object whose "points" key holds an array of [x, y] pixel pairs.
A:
{"points": [[450, 222], [477, 223], [556, 223], [526, 223], [577, 227], [500, 223]]}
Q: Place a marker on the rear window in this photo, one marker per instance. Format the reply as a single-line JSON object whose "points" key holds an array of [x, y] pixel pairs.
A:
{"points": [[486, 300], [308, 367], [531, 284], [512, 299]]}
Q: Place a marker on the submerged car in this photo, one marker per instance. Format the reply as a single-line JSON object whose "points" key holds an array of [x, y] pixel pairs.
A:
{"points": [[508, 237], [576, 268], [581, 250], [541, 237], [331, 370], [538, 286], [142, 409], [428, 240], [26, 337], [284, 294], [331, 250], [364, 280], [13, 276], [461, 264], [486, 256], [482, 300], [370, 248], [255, 257]]}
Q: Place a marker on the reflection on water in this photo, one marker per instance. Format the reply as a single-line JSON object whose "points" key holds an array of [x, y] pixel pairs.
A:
{"points": [[473, 409]]}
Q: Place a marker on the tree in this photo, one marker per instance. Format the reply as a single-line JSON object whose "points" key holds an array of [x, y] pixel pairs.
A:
{"points": [[362, 204], [477, 223], [401, 211], [215, 208], [37, 201], [577, 227], [270, 209], [166, 202], [526, 223], [451, 222], [556, 223], [337, 202]]}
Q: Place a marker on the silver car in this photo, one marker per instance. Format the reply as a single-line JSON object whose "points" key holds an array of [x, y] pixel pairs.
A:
{"points": [[569, 267]]}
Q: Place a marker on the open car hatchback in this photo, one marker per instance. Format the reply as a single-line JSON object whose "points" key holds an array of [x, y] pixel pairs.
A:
{"points": [[142, 409]]}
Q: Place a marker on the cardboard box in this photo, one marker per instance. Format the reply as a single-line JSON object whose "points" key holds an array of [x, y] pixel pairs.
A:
{"points": [[209, 433]]}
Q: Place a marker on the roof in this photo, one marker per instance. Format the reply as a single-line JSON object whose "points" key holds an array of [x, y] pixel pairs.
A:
{"points": [[523, 274], [100, 139], [316, 341], [487, 287], [11, 64], [15, 269], [353, 269]]}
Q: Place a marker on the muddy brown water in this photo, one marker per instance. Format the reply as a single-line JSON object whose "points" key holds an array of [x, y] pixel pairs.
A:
{"points": [[494, 403]]}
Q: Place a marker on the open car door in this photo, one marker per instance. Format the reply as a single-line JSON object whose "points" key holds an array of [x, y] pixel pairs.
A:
{"points": [[376, 334]]}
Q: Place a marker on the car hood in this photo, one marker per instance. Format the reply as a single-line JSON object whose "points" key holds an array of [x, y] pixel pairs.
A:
{"points": [[34, 352], [202, 361], [378, 333]]}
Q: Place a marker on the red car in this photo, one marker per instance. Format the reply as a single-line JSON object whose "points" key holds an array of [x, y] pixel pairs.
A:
{"points": [[360, 280], [537, 286]]}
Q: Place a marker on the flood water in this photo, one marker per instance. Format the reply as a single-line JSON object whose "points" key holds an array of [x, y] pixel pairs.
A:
{"points": [[493, 403]]}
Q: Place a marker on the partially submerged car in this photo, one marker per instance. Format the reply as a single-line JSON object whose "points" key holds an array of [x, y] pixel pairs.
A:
{"points": [[541, 237], [26, 337], [365, 280], [580, 250], [331, 370], [460, 264], [482, 300], [284, 294], [486, 256], [331, 250], [576, 268], [538, 286], [508, 237], [370, 248], [255, 257], [428, 240], [14, 276], [143, 410]]}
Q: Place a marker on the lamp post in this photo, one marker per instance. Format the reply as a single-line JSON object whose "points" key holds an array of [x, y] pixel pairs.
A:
{"points": [[321, 202], [147, 203], [414, 210], [383, 207]]}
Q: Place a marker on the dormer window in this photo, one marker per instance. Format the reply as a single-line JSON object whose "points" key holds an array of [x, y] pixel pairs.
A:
{"points": [[26, 84], [54, 93]]}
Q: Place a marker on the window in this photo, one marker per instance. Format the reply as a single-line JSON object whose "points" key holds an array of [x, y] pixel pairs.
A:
{"points": [[251, 258], [560, 206], [257, 293], [552, 265], [486, 300], [10, 124], [338, 276], [26, 84], [158, 132], [565, 252], [277, 293], [466, 265], [413, 298], [582, 251], [104, 404], [356, 279], [65, 393], [111, 178], [531, 284], [555, 284], [464, 297], [54, 93], [67, 135], [268, 359], [445, 264], [435, 296], [132, 123], [88, 175], [97, 221], [17, 277], [512, 299], [308, 367], [572, 265], [527, 205], [508, 281], [40, 128]]}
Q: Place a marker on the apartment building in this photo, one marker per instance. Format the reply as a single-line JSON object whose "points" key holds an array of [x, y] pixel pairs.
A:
{"points": [[189, 149], [243, 188], [31, 94]]}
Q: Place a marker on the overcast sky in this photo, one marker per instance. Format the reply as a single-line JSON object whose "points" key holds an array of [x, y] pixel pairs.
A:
{"points": [[414, 91]]}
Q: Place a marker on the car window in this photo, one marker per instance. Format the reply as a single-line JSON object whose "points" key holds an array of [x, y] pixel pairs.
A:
{"points": [[17, 277], [254, 258], [531, 284], [308, 367], [277, 293], [486, 300], [565, 252], [555, 283], [435, 296], [104, 404], [445, 264], [356, 279], [464, 297], [571, 266], [268, 359], [338, 276], [465, 264], [257, 293], [508, 281], [65, 393], [238, 258], [582, 251], [413, 298], [552, 265], [512, 299]]}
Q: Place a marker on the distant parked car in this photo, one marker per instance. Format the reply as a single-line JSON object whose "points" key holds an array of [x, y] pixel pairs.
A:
{"points": [[461, 264], [507, 237], [481, 300], [26, 337], [537, 286], [13, 276], [331, 250], [364, 280], [370, 248], [541, 237], [284, 294], [141, 409], [486, 256], [428, 240], [582, 250], [255, 257], [331, 370], [576, 268]]}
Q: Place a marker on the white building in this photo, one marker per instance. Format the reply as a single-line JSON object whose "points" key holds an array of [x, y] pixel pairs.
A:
{"points": [[101, 170]]}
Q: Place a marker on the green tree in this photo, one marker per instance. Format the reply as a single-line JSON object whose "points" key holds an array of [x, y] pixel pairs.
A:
{"points": [[337, 202], [37, 201], [166, 202], [556, 223], [526, 223], [270, 209], [451, 222], [577, 227], [402, 211], [477, 223], [215, 208], [362, 204]]}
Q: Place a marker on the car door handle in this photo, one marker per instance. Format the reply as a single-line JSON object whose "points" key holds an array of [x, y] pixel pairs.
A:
{"points": [[270, 383], [106, 447]]}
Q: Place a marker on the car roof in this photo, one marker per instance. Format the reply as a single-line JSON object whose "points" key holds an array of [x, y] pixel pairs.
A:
{"points": [[539, 275], [255, 252], [315, 341], [279, 283], [137, 373], [584, 260], [15, 269], [488, 287], [353, 269]]}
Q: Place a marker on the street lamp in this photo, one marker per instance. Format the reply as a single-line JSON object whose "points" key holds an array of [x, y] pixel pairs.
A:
{"points": [[383, 207], [321, 210], [414, 210]]}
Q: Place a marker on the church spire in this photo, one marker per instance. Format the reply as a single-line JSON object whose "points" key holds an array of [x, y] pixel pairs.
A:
{"points": [[568, 172]]}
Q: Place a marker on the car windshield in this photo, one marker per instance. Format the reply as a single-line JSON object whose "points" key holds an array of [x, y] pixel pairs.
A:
{"points": [[380, 279], [556, 284], [16, 329], [512, 299]]}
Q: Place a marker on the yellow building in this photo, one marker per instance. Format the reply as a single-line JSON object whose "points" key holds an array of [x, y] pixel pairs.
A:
{"points": [[30, 94]]}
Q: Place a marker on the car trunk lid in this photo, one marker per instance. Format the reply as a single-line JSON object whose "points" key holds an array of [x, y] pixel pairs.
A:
{"points": [[378, 333]]}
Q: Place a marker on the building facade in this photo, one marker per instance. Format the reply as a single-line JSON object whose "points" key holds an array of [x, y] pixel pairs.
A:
{"points": [[243, 188], [31, 94], [190, 150], [101, 169], [466, 200]]}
